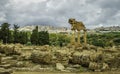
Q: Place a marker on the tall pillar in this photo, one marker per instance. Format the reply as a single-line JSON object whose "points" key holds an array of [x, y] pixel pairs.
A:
{"points": [[85, 38], [73, 38], [78, 39]]}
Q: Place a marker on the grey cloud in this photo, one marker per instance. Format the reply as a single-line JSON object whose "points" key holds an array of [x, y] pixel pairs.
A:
{"points": [[110, 8], [57, 12], [3, 9]]}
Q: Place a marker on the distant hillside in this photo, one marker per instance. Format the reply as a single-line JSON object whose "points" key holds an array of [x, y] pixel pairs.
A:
{"points": [[112, 28], [50, 29]]}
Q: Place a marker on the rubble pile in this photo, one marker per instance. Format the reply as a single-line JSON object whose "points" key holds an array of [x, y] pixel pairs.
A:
{"points": [[70, 59], [41, 57]]}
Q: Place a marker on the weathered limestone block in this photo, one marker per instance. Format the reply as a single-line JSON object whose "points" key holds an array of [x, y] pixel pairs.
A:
{"points": [[112, 59], [41, 57], [42, 48], [2, 47], [98, 66], [96, 56], [94, 66], [9, 50], [4, 71], [110, 50], [105, 67], [60, 67], [86, 56], [61, 56], [81, 58]]}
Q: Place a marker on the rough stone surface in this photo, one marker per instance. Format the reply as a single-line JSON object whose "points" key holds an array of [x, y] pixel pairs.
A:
{"points": [[5, 71], [59, 66], [9, 50], [61, 56], [41, 57]]}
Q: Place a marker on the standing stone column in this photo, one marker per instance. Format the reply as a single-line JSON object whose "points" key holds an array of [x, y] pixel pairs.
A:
{"points": [[78, 39], [73, 38], [77, 26], [85, 38]]}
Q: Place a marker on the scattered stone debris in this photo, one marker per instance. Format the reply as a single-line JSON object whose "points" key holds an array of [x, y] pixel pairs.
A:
{"points": [[66, 59], [5, 71], [59, 67]]}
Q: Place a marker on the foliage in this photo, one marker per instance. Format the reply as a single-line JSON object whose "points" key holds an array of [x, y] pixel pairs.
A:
{"points": [[23, 38], [104, 39], [116, 41], [43, 38], [53, 39], [39, 38], [34, 36], [5, 33], [28, 43], [11, 38], [59, 39], [16, 34]]}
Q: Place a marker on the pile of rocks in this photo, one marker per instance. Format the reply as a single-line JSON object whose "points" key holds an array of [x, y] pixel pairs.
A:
{"points": [[61, 56], [41, 57], [112, 57], [4, 71], [9, 50], [91, 57], [98, 66]]}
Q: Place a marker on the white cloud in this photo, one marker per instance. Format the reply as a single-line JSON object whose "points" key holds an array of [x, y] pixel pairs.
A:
{"points": [[57, 12]]}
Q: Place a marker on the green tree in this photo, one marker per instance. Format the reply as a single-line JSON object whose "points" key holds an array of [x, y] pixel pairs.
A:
{"points": [[16, 34], [23, 37], [116, 41], [34, 36], [11, 38], [5, 32], [43, 38]]}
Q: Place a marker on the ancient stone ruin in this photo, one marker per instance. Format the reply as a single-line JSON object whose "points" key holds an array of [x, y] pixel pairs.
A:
{"points": [[77, 27]]}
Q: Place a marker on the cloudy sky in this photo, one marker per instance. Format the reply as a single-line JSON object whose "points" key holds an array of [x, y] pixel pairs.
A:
{"points": [[93, 13]]}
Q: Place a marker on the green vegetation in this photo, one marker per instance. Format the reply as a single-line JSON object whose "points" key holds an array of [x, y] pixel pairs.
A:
{"points": [[44, 38], [5, 33], [16, 33], [104, 39], [59, 39], [8, 36], [39, 38], [34, 36]]}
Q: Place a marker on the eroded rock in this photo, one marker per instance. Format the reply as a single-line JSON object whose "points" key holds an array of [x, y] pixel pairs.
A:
{"points": [[41, 57], [59, 66]]}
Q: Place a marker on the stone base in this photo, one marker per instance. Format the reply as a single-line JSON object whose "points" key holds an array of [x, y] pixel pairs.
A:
{"points": [[78, 45], [4, 71]]}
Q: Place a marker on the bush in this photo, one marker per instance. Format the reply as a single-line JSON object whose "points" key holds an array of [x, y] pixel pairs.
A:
{"points": [[43, 38], [99, 43], [104, 39], [116, 41], [59, 39], [28, 43]]}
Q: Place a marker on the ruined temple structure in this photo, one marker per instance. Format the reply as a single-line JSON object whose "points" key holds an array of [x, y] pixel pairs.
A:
{"points": [[77, 27]]}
